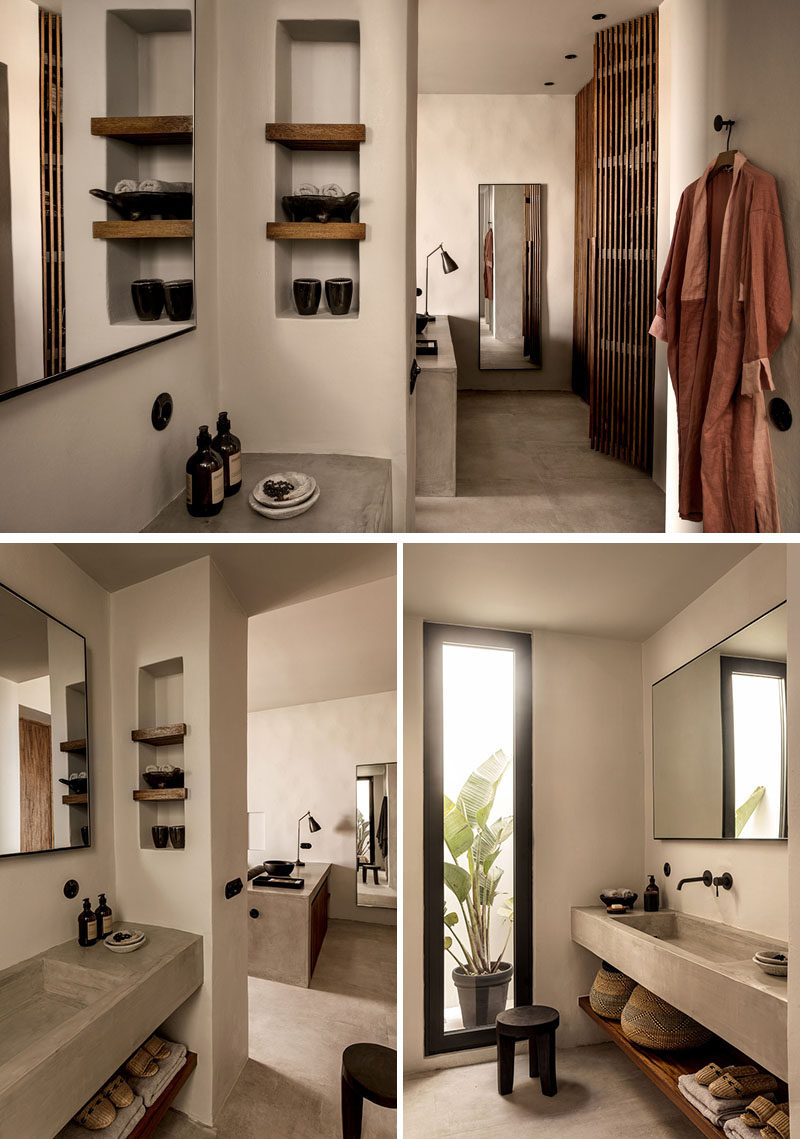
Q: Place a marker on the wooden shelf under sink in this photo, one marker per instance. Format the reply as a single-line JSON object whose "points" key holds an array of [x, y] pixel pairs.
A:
{"points": [[75, 800], [73, 745], [317, 136], [156, 1112], [160, 794], [147, 130], [160, 737]]}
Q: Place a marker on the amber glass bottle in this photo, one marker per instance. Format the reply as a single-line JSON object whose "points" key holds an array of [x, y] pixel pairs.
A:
{"points": [[105, 918], [87, 925], [205, 479], [230, 448]]}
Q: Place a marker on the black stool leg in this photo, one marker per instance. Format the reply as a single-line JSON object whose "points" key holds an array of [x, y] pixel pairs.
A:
{"points": [[505, 1064], [533, 1057], [546, 1050], [375, 875], [352, 1109]]}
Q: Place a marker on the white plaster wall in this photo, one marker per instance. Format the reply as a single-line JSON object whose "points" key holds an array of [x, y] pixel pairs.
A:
{"points": [[304, 758], [9, 766], [65, 655], [466, 140], [759, 898], [793, 719]]}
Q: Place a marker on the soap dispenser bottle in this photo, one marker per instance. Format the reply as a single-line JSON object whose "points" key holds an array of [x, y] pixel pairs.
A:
{"points": [[104, 917], [87, 925], [652, 896], [205, 478], [230, 448]]}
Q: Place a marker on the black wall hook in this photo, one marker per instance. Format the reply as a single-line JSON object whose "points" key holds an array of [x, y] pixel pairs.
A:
{"points": [[720, 124]]}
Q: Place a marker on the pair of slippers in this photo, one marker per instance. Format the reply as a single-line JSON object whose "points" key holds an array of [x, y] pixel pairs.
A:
{"points": [[143, 1063], [772, 1118], [735, 1081], [101, 1111]]}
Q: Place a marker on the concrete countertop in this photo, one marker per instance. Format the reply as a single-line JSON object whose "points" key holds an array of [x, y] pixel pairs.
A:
{"points": [[445, 360], [313, 874]]}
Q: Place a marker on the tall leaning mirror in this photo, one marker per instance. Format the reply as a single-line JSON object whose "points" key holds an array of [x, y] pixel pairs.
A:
{"points": [[44, 747], [719, 739], [96, 183], [510, 259], [376, 835]]}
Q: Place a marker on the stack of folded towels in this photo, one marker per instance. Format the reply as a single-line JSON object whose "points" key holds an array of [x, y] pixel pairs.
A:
{"points": [[725, 1096], [151, 186]]}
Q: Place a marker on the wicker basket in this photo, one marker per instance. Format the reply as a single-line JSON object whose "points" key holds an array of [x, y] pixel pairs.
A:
{"points": [[610, 992], [651, 1023]]}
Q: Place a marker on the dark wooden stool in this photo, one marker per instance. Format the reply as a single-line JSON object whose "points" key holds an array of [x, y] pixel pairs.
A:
{"points": [[537, 1024], [369, 1071], [373, 866]]}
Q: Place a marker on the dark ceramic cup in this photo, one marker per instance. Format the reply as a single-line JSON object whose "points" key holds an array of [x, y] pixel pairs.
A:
{"points": [[177, 836], [160, 836], [339, 295], [148, 299], [179, 298], [307, 295]]}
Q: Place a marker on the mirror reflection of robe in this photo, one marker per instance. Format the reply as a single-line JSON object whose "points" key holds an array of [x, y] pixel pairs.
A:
{"points": [[724, 306], [488, 265]]}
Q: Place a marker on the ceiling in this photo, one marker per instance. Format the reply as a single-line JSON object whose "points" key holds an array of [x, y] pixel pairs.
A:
{"points": [[622, 590], [512, 47], [262, 575]]}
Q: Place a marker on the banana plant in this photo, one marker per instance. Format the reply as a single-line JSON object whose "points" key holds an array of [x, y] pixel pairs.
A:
{"points": [[469, 834]]}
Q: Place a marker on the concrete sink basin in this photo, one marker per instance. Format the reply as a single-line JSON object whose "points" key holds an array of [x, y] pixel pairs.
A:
{"points": [[711, 941]]}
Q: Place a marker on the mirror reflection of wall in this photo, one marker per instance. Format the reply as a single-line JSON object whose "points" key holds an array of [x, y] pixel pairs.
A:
{"points": [[376, 835], [719, 739], [510, 261], [44, 781]]}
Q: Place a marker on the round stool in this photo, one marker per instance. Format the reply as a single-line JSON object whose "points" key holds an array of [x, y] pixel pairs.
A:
{"points": [[369, 1071], [537, 1024]]}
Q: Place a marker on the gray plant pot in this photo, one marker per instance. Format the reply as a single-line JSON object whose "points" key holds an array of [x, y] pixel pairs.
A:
{"points": [[483, 996]]}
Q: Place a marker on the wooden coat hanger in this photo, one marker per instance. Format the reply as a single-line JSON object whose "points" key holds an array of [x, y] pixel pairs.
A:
{"points": [[726, 159]]}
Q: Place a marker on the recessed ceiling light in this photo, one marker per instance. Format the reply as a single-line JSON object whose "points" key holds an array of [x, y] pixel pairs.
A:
{"points": [[572, 55], [599, 16], [549, 83]]}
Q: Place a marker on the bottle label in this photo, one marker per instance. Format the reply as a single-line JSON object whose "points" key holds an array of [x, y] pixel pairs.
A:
{"points": [[235, 469], [217, 486], [189, 489], [108, 924], [91, 929]]}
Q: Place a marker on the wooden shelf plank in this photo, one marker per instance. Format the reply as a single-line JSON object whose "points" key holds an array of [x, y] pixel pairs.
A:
{"points": [[73, 745], [316, 231], [156, 1112], [75, 800], [317, 136], [663, 1068], [160, 737], [147, 130], [139, 230], [151, 796]]}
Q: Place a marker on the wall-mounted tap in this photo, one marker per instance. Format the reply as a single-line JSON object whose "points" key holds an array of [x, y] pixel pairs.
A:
{"points": [[706, 878], [725, 881]]}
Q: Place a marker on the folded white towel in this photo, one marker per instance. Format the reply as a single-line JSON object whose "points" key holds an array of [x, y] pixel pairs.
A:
{"points": [[736, 1128], [126, 186], [151, 1087], [125, 1121], [716, 1110], [154, 185]]}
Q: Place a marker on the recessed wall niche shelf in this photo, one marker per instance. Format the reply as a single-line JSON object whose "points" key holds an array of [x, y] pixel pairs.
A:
{"points": [[160, 794], [160, 737], [317, 136], [160, 713], [147, 130], [142, 230], [73, 745], [316, 231], [75, 800]]}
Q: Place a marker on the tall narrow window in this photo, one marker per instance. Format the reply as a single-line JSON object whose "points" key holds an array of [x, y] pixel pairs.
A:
{"points": [[478, 841]]}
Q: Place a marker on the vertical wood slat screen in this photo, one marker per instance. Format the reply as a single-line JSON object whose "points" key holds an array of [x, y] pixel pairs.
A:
{"points": [[583, 311], [532, 292], [626, 144], [51, 93]]}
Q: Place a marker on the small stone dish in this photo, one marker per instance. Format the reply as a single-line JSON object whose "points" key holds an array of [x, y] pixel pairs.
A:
{"points": [[776, 964], [626, 898], [125, 940]]}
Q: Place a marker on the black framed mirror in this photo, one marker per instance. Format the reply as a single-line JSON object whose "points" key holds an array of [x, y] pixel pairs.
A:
{"points": [[376, 835], [96, 184], [45, 784]]}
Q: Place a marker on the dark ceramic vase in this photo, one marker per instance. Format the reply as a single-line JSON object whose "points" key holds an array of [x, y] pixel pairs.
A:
{"points": [[160, 836], [148, 299], [179, 297], [339, 295], [177, 836], [307, 295]]}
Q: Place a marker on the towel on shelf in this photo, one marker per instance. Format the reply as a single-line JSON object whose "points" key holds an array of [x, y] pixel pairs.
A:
{"points": [[126, 186], [151, 1087], [736, 1128], [154, 185], [125, 1121], [716, 1111]]}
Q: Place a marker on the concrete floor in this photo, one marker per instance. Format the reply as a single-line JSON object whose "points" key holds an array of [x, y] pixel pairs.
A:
{"points": [[501, 354], [524, 465], [290, 1086], [600, 1095]]}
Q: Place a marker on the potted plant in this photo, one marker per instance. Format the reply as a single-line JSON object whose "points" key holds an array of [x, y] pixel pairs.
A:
{"points": [[362, 837], [481, 980]]}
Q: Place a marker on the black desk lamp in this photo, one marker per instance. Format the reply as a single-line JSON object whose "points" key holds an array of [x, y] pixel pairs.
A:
{"points": [[448, 265], [313, 826]]}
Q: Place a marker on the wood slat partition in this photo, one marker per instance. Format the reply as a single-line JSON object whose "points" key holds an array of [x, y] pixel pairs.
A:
{"points": [[613, 354], [51, 147]]}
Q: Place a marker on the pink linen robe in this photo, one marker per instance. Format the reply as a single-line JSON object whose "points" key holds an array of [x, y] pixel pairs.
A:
{"points": [[724, 306]]}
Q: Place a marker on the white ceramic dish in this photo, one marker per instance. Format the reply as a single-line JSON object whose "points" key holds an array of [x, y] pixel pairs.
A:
{"points": [[136, 941], [283, 512], [303, 487], [774, 968]]}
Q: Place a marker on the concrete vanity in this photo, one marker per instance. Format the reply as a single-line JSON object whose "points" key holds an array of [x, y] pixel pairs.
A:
{"points": [[287, 932], [704, 968], [70, 1017], [436, 403]]}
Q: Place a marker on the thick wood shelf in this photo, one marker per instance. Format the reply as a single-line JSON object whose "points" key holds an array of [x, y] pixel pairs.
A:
{"points": [[663, 1068], [317, 136], [75, 800], [149, 130], [155, 1113], [73, 745], [160, 737], [150, 796], [138, 230], [316, 231]]}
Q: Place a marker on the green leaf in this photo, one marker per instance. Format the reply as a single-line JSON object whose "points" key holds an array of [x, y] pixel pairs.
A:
{"points": [[458, 835], [487, 886], [448, 943], [747, 808], [457, 879], [450, 919], [478, 793], [506, 909]]}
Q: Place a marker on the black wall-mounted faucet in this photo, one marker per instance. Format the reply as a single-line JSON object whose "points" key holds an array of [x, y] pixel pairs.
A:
{"points": [[706, 878], [725, 881]]}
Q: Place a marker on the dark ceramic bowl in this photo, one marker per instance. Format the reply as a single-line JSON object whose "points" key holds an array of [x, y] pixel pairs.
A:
{"points": [[179, 299], [76, 786], [141, 205], [320, 208], [307, 292], [279, 869], [148, 299], [626, 900], [339, 295], [158, 780]]}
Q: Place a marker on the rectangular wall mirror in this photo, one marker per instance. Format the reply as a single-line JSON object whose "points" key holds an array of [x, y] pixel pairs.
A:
{"points": [[376, 835], [510, 271], [44, 747], [719, 739], [96, 183]]}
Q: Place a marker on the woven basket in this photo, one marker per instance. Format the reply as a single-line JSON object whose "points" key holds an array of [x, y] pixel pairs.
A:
{"points": [[610, 992], [651, 1023]]}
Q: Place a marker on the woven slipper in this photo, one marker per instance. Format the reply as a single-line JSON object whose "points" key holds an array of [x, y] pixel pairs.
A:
{"points": [[712, 1072], [96, 1114], [119, 1092], [141, 1064], [731, 1087], [157, 1048], [759, 1111], [778, 1126]]}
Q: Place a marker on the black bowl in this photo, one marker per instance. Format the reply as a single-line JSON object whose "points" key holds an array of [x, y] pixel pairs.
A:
{"points": [[76, 786], [179, 299], [628, 901], [158, 780], [279, 869]]}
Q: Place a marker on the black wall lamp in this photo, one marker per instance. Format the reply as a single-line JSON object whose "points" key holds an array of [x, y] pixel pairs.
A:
{"points": [[313, 826]]}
